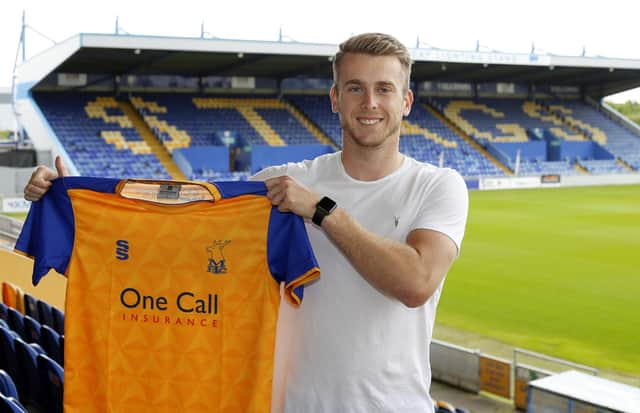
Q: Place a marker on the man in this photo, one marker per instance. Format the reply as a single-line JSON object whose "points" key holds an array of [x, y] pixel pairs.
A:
{"points": [[386, 229]]}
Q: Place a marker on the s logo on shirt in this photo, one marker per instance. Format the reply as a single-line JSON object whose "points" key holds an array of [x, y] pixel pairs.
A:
{"points": [[122, 249]]}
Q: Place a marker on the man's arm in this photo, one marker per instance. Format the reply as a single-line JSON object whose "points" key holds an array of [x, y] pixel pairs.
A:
{"points": [[409, 272]]}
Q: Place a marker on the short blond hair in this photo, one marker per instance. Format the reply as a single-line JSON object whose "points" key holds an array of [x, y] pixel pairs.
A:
{"points": [[373, 44]]}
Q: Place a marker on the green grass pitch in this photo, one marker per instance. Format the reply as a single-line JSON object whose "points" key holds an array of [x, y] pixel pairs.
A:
{"points": [[552, 270]]}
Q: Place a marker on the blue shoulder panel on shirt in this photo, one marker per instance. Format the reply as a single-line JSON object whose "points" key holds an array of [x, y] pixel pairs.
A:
{"points": [[289, 251], [48, 232], [105, 185], [229, 189]]}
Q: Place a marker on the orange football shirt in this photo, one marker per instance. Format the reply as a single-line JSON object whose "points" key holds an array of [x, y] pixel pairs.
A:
{"points": [[173, 290]]}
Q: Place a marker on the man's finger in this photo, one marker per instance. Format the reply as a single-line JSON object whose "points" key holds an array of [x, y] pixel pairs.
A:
{"points": [[42, 173], [276, 196], [62, 171], [273, 182], [34, 192]]}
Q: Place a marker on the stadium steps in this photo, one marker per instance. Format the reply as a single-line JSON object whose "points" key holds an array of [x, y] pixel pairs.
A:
{"points": [[156, 147], [261, 126], [580, 168], [467, 139], [310, 126], [625, 165]]}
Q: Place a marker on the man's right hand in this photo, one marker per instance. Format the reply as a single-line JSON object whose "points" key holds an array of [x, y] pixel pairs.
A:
{"points": [[41, 179]]}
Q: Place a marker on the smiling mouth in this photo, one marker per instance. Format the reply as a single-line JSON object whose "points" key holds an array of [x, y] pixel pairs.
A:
{"points": [[369, 121]]}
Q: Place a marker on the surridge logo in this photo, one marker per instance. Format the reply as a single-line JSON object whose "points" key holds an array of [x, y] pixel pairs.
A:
{"points": [[217, 263], [122, 249]]}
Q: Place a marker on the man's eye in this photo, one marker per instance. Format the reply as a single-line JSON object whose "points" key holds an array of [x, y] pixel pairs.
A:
{"points": [[354, 88]]}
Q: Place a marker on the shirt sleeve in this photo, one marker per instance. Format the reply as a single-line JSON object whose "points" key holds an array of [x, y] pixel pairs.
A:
{"points": [[444, 207], [290, 256], [270, 172], [48, 232]]}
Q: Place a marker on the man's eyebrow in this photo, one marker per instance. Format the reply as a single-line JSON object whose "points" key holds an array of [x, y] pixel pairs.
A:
{"points": [[359, 82], [386, 83]]}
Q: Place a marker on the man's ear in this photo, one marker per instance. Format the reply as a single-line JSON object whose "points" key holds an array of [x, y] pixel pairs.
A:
{"points": [[333, 95], [408, 101]]}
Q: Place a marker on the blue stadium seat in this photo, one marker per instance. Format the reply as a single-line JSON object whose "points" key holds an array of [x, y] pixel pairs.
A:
{"points": [[51, 343], [16, 321], [3, 312], [31, 332], [31, 306], [45, 315], [58, 320], [30, 388], [7, 386], [52, 383], [10, 405], [8, 361]]}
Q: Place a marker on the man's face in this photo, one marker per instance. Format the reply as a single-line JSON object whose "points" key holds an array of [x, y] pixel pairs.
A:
{"points": [[370, 99]]}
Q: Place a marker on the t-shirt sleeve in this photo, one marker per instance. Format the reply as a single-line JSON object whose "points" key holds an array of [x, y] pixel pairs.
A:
{"points": [[270, 172], [47, 234], [290, 256], [444, 206]]}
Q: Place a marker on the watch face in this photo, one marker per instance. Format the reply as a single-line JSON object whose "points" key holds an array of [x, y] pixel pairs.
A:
{"points": [[327, 204]]}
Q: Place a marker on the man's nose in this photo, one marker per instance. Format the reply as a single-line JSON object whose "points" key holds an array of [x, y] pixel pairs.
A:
{"points": [[369, 99]]}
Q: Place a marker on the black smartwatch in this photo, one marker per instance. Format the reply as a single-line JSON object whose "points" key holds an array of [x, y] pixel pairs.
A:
{"points": [[323, 208]]}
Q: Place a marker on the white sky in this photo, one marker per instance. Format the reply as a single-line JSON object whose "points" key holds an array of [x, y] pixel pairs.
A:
{"points": [[554, 26]]}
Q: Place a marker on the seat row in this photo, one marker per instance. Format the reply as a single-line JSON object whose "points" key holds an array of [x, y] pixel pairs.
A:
{"points": [[31, 353], [38, 379], [26, 304]]}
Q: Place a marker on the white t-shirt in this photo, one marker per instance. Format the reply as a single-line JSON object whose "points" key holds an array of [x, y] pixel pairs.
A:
{"points": [[349, 348]]}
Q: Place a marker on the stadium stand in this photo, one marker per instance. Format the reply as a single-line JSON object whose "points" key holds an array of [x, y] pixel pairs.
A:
{"points": [[497, 126], [318, 109], [602, 166], [435, 141], [211, 136], [98, 137], [541, 137], [623, 144], [208, 123], [32, 355]]}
